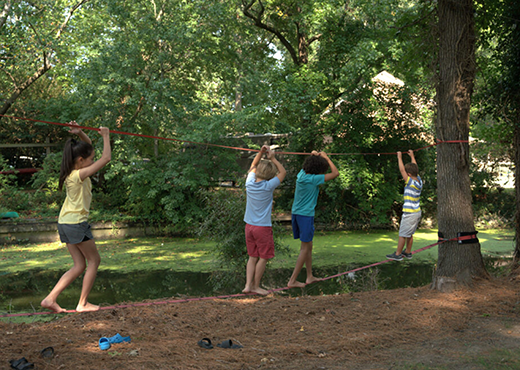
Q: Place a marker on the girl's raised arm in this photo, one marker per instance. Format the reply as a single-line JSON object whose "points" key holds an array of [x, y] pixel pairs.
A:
{"points": [[79, 132], [101, 162]]}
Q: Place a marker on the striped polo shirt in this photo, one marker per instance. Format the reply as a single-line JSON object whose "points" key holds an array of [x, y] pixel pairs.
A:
{"points": [[412, 193]]}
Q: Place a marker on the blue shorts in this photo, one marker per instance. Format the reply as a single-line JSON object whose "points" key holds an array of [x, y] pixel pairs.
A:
{"points": [[303, 228]]}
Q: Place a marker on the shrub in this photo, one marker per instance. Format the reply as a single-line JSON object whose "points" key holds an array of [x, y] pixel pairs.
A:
{"points": [[224, 224]]}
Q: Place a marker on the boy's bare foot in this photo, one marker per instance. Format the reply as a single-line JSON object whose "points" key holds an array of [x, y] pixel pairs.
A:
{"points": [[312, 280], [295, 284], [89, 307], [246, 290], [260, 291], [47, 303]]}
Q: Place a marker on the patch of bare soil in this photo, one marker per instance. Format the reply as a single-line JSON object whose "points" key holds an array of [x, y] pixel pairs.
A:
{"points": [[370, 330]]}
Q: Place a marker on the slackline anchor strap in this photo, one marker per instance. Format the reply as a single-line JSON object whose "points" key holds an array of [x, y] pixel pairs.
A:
{"points": [[462, 237]]}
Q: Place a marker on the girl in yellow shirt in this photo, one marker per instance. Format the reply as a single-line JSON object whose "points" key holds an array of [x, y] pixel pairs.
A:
{"points": [[77, 166]]}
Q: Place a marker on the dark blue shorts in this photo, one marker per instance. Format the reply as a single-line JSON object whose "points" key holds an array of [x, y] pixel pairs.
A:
{"points": [[303, 228]]}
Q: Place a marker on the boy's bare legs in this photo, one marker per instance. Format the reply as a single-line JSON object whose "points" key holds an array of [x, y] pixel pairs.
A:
{"points": [[400, 245], [66, 279], [308, 266], [304, 258], [91, 254], [259, 272], [254, 271], [250, 274], [409, 242]]}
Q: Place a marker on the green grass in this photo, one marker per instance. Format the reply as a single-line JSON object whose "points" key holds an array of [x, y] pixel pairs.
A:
{"points": [[494, 359], [191, 254]]}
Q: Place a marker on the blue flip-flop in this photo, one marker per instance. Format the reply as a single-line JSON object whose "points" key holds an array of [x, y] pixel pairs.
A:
{"points": [[118, 339], [104, 344], [229, 344]]}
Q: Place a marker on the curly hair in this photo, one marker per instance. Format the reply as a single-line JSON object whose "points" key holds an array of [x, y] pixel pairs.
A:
{"points": [[315, 165]]}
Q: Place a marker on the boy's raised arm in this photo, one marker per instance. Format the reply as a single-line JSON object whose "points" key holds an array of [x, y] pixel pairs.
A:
{"points": [[402, 170], [281, 170], [334, 171], [412, 156], [258, 158]]}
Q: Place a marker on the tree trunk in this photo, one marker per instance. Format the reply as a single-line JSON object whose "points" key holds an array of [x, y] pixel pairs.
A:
{"points": [[516, 143], [458, 264]]}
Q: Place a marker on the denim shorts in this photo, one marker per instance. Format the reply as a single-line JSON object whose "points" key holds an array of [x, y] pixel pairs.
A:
{"points": [[75, 233]]}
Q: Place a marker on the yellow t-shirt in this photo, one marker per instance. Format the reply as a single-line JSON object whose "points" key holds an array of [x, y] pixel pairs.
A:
{"points": [[76, 207]]}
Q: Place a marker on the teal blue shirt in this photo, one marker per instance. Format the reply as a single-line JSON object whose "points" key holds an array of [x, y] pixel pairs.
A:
{"points": [[306, 194]]}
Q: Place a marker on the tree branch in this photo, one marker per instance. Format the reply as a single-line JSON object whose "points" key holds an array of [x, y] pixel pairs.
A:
{"points": [[258, 22], [36, 75], [5, 12], [66, 21]]}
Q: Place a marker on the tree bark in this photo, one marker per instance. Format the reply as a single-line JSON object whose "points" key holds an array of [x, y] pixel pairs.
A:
{"points": [[458, 264], [516, 143]]}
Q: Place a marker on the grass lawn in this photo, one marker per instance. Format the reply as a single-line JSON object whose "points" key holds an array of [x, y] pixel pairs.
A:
{"points": [[189, 254]]}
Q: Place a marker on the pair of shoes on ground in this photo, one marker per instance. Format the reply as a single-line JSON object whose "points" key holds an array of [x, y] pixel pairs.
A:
{"points": [[105, 343], [21, 364], [395, 257], [206, 343]]}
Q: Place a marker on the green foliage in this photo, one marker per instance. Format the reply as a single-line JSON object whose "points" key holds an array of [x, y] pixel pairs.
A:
{"points": [[49, 176], [6, 186], [224, 224]]}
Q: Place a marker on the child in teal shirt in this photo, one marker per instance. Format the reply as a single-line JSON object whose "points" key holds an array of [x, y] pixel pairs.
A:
{"points": [[308, 181]]}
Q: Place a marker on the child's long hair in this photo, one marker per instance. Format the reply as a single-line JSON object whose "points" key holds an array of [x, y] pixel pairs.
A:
{"points": [[72, 150], [315, 165]]}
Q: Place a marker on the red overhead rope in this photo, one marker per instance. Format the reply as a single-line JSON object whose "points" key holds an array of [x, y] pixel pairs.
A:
{"points": [[217, 145]]}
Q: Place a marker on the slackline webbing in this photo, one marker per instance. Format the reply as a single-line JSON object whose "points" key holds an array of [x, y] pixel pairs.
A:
{"points": [[217, 145]]}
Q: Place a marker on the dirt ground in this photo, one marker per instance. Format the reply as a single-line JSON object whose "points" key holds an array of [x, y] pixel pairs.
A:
{"points": [[395, 329]]}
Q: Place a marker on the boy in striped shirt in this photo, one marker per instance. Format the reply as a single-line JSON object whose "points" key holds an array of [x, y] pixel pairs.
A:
{"points": [[411, 208]]}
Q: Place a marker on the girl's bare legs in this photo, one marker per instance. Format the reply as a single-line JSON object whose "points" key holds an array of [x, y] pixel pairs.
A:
{"points": [[90, 253], [66, 279]]}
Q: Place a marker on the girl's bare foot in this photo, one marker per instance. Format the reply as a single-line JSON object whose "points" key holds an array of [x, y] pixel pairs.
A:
{"points": [[246, 290], [312, 279], [295, 284], [260, 291], [89, 307], [51, 305]]}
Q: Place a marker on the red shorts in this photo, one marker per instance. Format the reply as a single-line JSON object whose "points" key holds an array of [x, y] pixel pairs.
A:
{"points": [[259, 241]]}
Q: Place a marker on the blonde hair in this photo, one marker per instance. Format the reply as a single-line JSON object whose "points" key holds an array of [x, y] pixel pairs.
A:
{"points": [[266, 170]]}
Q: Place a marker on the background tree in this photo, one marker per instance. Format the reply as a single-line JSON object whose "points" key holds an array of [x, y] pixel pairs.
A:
{"points": [[499, 98]]}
